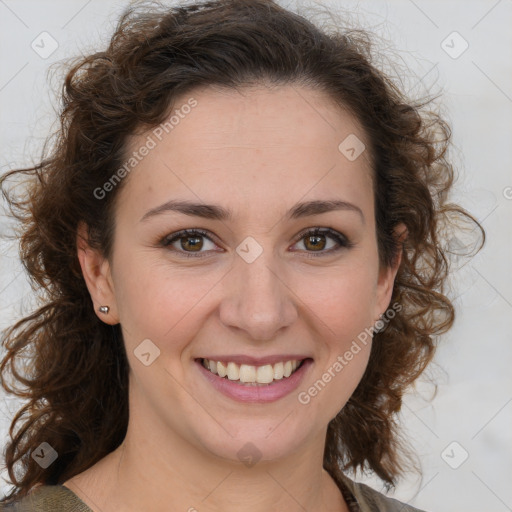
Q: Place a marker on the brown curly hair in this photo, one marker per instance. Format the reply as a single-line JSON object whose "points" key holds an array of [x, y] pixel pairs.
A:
{"points": [[71, 368]]}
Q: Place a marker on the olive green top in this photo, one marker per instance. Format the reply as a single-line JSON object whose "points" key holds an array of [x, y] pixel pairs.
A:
{"points": [[58, 498]]}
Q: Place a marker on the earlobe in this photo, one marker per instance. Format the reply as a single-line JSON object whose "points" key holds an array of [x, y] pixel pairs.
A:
{"points": [[96, 272]]}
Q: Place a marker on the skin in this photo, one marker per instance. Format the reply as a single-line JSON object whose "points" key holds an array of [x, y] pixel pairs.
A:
{"points": [[258, 152]]}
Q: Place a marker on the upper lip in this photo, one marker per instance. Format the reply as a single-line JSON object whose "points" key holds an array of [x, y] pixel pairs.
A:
{"points": [[257, 361]]}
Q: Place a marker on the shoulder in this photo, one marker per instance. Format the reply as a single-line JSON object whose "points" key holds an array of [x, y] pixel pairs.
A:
{"points": [[370, 500], [48, 498]]}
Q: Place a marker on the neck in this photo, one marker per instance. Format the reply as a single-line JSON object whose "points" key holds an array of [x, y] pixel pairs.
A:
{"points": [[157, 469]]}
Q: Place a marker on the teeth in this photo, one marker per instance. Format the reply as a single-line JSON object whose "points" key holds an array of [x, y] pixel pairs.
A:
{"points": [[278, 371], [233, 371], [222, 370], [247, 373], [265, 374]]}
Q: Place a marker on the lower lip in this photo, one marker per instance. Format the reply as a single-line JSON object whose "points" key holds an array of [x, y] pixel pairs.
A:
{"points": [[260, 393]]}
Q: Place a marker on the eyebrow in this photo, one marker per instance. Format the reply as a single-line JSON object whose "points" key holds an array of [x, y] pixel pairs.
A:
{"points": [[217, 212]]}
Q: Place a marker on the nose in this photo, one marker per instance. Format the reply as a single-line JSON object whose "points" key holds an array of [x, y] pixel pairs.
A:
{"points": [[257, 300]]}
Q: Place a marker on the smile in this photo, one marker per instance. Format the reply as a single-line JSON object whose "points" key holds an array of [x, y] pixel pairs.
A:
{"points": [[254, 383], [250, 374]]}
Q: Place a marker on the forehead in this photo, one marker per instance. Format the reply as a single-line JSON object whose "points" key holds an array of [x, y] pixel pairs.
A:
{"points": [[254, 146]]}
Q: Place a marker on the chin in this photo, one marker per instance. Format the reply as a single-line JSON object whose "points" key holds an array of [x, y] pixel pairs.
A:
{"points": [[270, 440]]}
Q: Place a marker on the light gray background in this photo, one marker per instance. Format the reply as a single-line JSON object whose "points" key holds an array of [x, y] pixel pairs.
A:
{"points": [[473, 405]]}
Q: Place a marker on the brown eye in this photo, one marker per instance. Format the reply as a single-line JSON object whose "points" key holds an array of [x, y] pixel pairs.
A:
{"points": [[187, 242], [193, 243], [317, 241]]}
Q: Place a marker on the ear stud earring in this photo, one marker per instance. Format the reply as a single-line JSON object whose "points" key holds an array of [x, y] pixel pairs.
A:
{"points": [[104, 309]]}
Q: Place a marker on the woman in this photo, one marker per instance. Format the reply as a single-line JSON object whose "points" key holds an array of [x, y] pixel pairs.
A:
{"points": [[238, 235]]}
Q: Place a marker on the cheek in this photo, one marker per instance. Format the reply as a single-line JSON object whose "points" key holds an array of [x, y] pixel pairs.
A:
{"points": [[335, 380], [159, 302], [341, 300], [340, 307]]}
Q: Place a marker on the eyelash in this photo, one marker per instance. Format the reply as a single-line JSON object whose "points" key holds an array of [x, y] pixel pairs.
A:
{"points": [[338, 237]]}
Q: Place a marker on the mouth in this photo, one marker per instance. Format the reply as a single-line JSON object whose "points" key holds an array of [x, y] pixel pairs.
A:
{"points": [[250, 383], [252, 375]]}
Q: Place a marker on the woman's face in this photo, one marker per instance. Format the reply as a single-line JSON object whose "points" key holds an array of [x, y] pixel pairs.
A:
{"points": [[258, 287]]}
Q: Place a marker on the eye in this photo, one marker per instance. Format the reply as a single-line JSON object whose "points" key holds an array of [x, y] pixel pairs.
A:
{"points": [[315, 239], [190, 242]]}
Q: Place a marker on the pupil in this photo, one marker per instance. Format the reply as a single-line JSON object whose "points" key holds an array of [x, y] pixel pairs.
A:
{"points": [[318, 243], [195, 244]]}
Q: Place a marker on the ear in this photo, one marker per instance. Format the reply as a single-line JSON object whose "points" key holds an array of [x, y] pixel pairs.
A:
{"points": [[387, 275], [97, 276]]}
